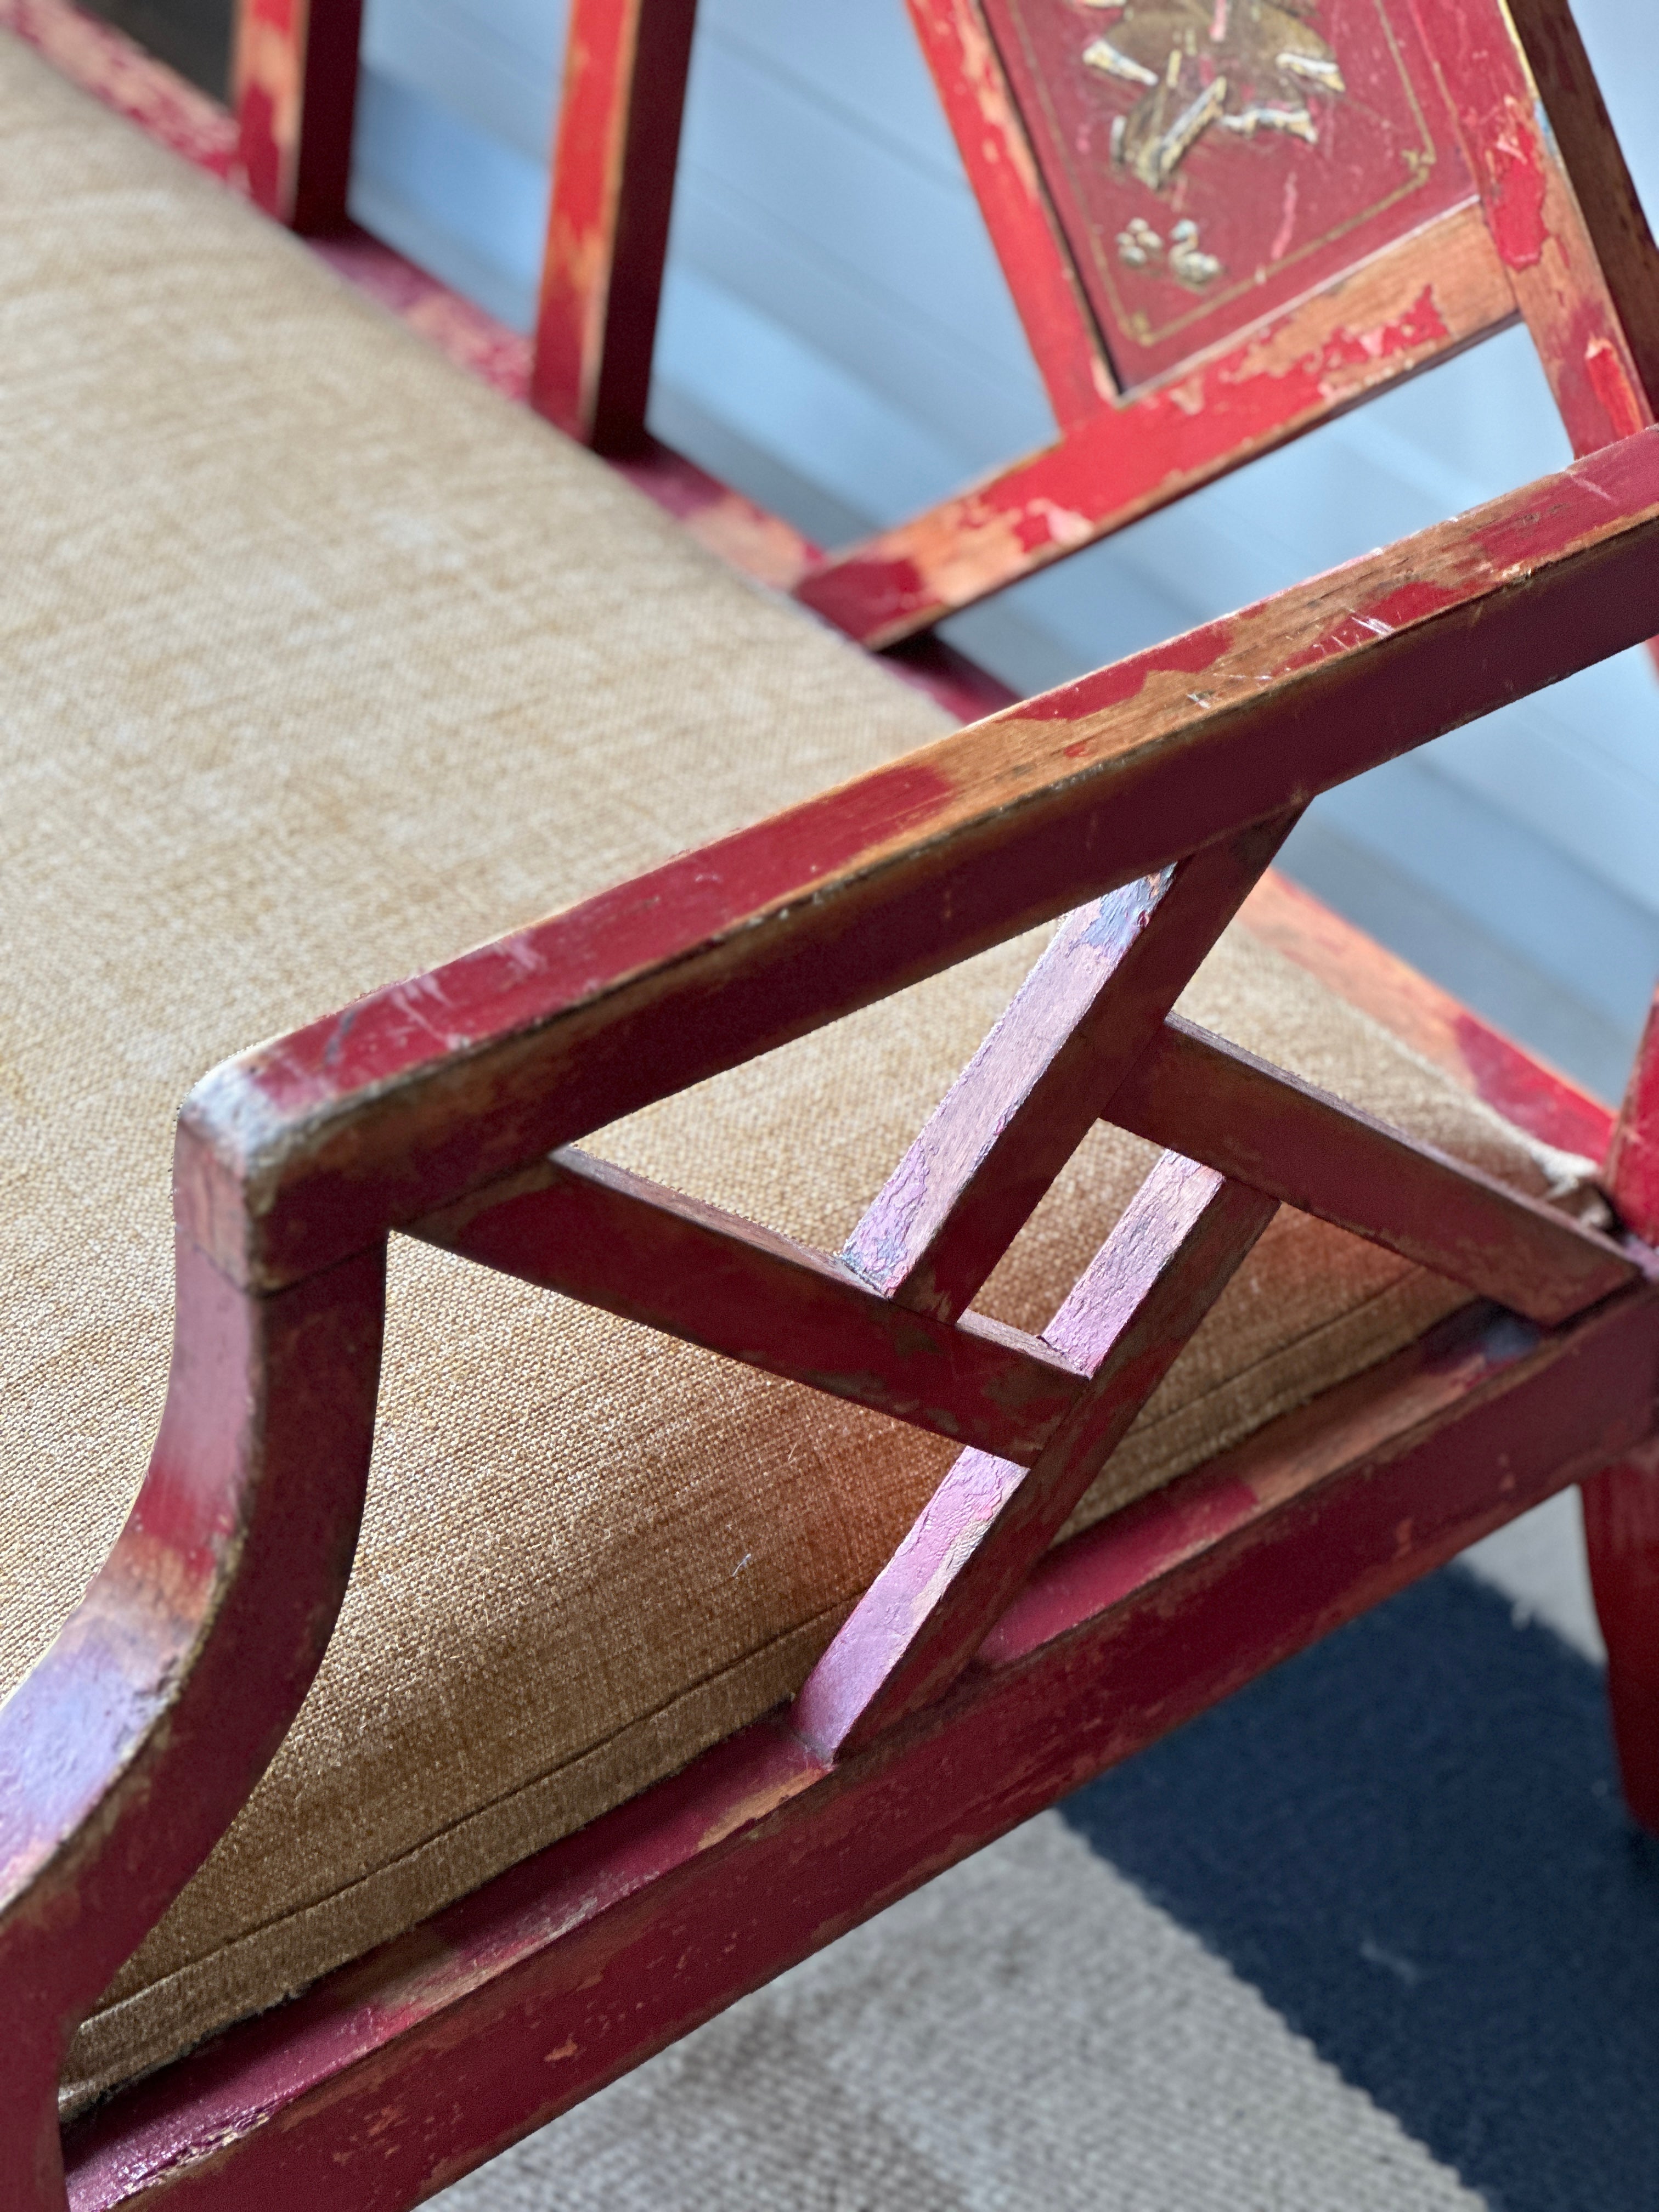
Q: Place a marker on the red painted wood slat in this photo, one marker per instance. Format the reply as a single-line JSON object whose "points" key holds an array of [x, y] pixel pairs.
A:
{"points": [[989, 1521], [1578, 255], [294, 74], [1239, 1114], [613, 188], [1029, 1094], [578, 1225], [1410, 306], [997, 154]]}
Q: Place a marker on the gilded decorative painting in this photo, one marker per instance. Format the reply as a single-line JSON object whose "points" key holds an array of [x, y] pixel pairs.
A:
{"points": [[1211, 160]]}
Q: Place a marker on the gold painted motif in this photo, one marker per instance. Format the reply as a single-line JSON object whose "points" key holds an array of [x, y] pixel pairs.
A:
{"points": [[1239, 66]]}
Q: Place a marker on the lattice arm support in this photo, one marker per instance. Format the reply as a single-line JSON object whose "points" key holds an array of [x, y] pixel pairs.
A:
{"points": [[1220, 1104], [932, 1605], [1027, 1099], [578, 1225]]}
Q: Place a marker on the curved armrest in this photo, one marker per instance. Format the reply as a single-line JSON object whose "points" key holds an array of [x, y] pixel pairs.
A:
{"points": [[129, 1748]]}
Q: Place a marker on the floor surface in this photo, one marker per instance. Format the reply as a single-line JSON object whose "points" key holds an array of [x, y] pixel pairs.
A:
{"points": [[1375, 1934]]}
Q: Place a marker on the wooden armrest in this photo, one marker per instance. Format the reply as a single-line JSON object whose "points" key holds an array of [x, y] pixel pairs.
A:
{"points": [[309, 1148], [132, 1744]]}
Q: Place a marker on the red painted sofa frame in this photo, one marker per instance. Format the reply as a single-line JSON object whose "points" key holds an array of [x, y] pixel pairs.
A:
{"points": [[1150, 796]]}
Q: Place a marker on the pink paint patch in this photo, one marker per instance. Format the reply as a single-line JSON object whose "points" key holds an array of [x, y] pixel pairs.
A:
{"points": [[1516, 184], [1612, 389]]}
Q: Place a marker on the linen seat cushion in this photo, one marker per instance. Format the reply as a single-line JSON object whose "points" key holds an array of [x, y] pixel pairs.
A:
{"points": [[320, 663]]}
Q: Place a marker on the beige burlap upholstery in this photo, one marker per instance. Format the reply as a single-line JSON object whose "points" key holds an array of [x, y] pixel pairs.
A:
{"points": [[320, 663]]}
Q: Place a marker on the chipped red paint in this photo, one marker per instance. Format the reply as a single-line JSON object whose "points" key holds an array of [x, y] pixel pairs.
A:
{"points": [[607, 234], [980, 106], [1280, 218], [974, 1543], [1617, 396], [1125, 462], [1535, 1098], [1516, 184], [1190, 654]]}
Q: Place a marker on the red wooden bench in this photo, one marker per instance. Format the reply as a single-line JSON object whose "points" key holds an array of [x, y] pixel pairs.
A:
{"points": [[986, 1669]]}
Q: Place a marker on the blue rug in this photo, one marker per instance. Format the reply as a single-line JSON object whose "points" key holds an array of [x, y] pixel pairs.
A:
{"points": [[1410, 1840]]}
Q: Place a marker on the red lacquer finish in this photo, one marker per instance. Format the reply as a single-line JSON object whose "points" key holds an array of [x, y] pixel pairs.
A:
{"points": [[1223, 1106], [1026, 1100], [1203, 180], [613, 187], [955, 1702], [1398, 313], [577, 1224], [996, 152], [403, 2072], [1560, 206], [294, 77], [126, 1753], [1264, 223], [536, 1040]]}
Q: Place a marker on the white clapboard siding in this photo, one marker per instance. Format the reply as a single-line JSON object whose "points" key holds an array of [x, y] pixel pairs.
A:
{"points": [[837, 339]]}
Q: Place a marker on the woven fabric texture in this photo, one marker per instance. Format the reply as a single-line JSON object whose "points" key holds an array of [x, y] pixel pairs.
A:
{"points": [[321, 663]]}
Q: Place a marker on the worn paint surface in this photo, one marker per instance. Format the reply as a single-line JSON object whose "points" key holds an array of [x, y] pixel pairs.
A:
{"points": [[624, 92], [1404, 309], [1125, 1322]]}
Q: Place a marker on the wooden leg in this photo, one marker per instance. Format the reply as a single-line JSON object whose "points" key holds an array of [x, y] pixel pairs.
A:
{"points": [[1621, 1505], [296, 89], [1621, 1531]]}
